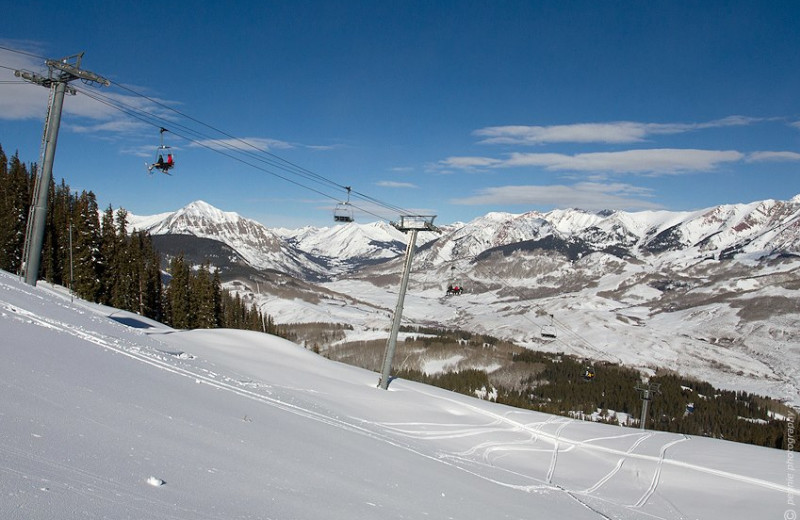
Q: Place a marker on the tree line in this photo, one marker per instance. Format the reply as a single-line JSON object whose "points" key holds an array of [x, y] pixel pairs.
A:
{"points": [[681, 405], [97, 257], [554, 383]]}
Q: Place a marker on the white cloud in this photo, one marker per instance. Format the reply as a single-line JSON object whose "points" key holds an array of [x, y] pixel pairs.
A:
{"points": [[616, 132], [773, 156], [245, 144], [24, 100], [591, 196], [651, 161], [393, 184], [82, 112], [146, 151], [622, 132], [116, 126], [469, 163]]}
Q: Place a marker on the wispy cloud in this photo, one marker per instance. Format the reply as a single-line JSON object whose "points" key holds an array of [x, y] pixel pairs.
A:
{"points": [[146, 151], [116, 127], [393, 184], [657, 161], [23, 100], [100, 111], [773, 156], [616, 132], [468, 163], [323, 147], [244, 144], [585, 195]]}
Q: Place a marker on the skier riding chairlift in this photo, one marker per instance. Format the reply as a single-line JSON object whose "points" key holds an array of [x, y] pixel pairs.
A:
{"points": [[161, 164]]}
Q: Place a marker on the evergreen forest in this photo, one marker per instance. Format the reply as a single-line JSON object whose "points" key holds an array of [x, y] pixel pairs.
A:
{"points": [[555, 383], [94, 254]]}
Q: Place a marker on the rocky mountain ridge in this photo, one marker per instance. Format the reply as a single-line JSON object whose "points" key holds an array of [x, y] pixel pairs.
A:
{"points": [[755, 231]]}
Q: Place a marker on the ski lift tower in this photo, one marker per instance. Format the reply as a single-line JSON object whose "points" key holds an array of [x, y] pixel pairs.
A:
{"points": [[61, 73], [647, 393], [408, 224]]}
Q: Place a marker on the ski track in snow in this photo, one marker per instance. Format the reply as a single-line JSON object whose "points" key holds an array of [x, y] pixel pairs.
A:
{"points": [[657, 475], [480, 457], [554, 459], [618, 467]]}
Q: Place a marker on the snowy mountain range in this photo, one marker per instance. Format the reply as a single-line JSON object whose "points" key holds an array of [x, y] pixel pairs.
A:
{"points": [[713, 293], [755, 231]]}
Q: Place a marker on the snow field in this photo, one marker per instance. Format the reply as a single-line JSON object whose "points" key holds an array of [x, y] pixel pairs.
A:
{"points": [[238, 424]]}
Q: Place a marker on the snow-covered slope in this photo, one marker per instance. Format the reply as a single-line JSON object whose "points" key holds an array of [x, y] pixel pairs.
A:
{"points": [[108, 415], [348, 244]]}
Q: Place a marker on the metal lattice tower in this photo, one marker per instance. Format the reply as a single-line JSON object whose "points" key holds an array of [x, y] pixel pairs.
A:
{"points": [[647, 393], [408, 224], [61, 72]]}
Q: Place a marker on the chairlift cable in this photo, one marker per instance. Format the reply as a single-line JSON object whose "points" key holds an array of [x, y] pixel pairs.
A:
{"points": [[159, 123], [274, 161], [17, 51], [221, 152], [492, 276], [296, 168]]}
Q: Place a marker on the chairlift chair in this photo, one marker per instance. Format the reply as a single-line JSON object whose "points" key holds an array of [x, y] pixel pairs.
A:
{"points": [[454, 287], [165, 157], [343, 212], [549, 331]]}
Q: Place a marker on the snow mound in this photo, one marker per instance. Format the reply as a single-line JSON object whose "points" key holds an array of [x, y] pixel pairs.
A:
{"points": [[155, 482]]}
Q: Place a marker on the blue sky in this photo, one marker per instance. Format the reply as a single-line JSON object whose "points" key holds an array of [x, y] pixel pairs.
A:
{"points": [[448, 108]]}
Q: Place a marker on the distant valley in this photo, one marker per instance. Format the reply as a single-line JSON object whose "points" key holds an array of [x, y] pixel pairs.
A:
{"points": [[714, 293]]}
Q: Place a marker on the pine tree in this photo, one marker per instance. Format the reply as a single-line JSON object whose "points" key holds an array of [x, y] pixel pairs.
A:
{"points": [[216, 287], [57, 265], [128, 266], [15, 203], [86, 230], [178, 294], [203, 298], [150, 286], [110, 249]]}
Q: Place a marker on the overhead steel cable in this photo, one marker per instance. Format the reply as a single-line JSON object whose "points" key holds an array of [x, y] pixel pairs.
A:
{"points": [[244, 146], [137, 115], [272, 159], [205, 141], [295, 168], [494, 277], [201, 140], [25, 53]]}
